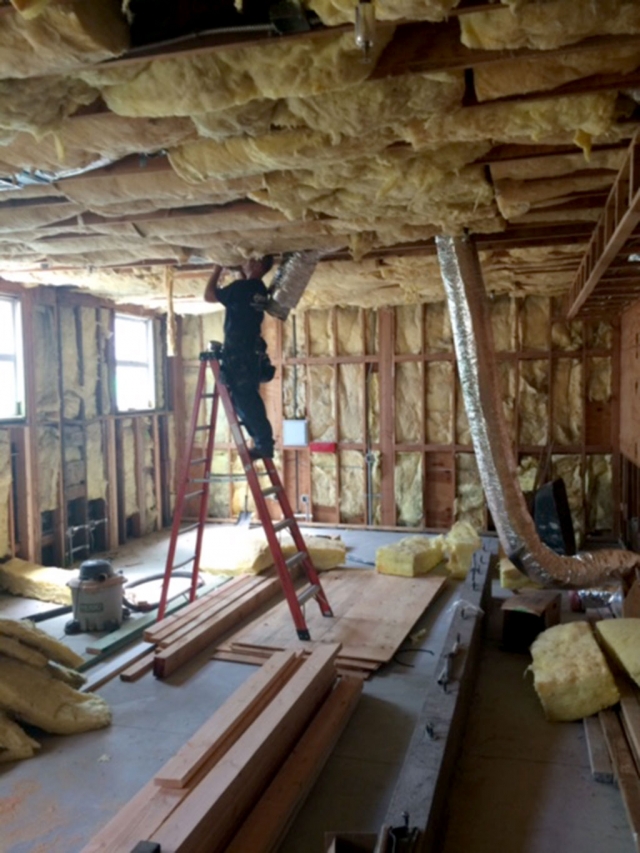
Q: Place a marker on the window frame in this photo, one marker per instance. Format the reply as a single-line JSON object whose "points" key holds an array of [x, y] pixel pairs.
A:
{"points": [[149, 363], [17, 359]]}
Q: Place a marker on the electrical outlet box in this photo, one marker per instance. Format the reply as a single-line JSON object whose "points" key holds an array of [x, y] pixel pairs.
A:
{"points": [[295, 433]]}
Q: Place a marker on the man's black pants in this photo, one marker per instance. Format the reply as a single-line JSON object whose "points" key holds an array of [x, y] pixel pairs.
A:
{"points": [[242, 375]]}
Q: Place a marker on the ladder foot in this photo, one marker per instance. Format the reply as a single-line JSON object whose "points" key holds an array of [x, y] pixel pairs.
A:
{"points": [[328, 614], [303, 634]]}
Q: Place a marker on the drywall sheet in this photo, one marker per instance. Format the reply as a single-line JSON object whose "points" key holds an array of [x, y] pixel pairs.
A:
{"points": [[567, 401], [504, 323], [352, 486], [219, 506], [409, 402], [349, 330], [321, 337], [45, 342], [463, 435], [96, 480], [569, 467], [129, 468], [294, 388], [534, 323], [322, 422], [599, 493], [323, 479], [599, 379], [5, 491], [408, 329], [438, 337], [48, 467], [439, 385], [507, 374], [469, 494], [408, 489], [373, 409], [351, 402], [533, 402]]}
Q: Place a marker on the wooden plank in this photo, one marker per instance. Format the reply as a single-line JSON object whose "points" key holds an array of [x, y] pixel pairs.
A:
{"points": [[601, 768], [137, 670], [215, 605], [114, 667], [207, 818], [625, 770], [167, 626], [387, 417], [169, 659], [372, 615], [224, 728], [630, 714], [271, 818]]}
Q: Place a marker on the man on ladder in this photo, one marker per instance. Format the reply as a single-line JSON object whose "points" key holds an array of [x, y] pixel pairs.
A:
{"points": [[245, 363]]}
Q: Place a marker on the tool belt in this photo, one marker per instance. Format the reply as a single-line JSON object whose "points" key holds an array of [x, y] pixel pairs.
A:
{"points": [[242, 367]]}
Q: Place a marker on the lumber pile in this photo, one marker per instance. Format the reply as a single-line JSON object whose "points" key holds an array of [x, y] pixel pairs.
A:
{"points": [[180, 637], [373, 613], [237, 784]]}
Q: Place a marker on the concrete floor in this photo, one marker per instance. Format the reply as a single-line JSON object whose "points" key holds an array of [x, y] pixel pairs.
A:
{"points": [[522, 785]]}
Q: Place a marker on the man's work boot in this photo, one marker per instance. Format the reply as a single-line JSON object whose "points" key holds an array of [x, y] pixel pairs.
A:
{"points": [[259, 453]]}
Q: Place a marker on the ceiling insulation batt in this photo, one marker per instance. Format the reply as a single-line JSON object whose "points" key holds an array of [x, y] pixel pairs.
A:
{"points": [[64, 36], [334, 12]]}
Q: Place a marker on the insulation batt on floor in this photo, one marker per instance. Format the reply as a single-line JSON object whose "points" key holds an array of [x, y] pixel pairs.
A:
{"points": [[570, 673], [621, 640]]}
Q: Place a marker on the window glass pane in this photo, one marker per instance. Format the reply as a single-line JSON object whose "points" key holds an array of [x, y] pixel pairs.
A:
{"points": [[8, 407], [131, 339], [7, 331], [134, 388]]}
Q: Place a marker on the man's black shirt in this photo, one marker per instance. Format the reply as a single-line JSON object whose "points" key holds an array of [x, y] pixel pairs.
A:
{"points": [[244, 302]]}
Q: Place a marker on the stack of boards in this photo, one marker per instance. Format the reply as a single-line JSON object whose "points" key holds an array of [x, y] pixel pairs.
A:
{"points": [[238, 783]]}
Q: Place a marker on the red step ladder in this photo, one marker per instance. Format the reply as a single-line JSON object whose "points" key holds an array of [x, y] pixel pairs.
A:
{"points": [[210, 360]]}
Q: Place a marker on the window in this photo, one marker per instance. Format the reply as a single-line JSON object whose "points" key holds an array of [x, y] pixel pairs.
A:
{"points": [[135, 374], [11, 364]]}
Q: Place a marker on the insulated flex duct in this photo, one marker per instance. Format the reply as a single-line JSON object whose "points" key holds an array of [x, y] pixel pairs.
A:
{"points": [[290, 282], [473, 337]]}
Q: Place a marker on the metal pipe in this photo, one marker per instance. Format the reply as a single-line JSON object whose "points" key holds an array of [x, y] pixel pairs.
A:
{"points": [[475, 353]]}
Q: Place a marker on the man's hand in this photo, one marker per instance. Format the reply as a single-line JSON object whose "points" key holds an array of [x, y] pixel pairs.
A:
{"points": [[210, 291]]}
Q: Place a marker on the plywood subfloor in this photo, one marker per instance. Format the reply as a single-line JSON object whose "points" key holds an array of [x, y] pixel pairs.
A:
{"points": [[372, 616]]}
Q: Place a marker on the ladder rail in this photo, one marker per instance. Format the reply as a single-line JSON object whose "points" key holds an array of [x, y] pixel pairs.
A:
{"points": [[180, 495], [204, 500]]}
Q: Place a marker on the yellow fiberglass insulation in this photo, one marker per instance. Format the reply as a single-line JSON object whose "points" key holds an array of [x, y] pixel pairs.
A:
{"points": [[408, 402], [66, 35], [469, 503], [351, 402], [394, 184], [29, 635], [567, 401], [511, 578], [352, 490], [517, 76], [335, 12], [570, 673], [322, 426], [439, 402], [533, 402], [621, 640], [254, 118], [408, 489], [39, 104], [231, 76], [589, 114], [349, 332], [241, 156], [35, 697], [410, 557], [460, 544], [599, 492], [323, 479], [15, 744], [408, 329], [544, 26], [48, 467]]}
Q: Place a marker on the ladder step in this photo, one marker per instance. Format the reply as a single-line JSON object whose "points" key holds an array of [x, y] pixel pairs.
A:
{"points": [[188, 529], [193, 494], [207, 396], [201, 428], [280, 525], [198, 461], [272, 490], [298, 558], [183, 563], [308, 593]]}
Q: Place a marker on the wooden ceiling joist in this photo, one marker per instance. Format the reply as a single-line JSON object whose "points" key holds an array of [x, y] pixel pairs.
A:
{"points": [[611, 243]]}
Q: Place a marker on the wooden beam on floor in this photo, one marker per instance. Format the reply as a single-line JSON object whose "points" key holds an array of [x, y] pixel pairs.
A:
{"points": [[601, 769], [625, 770], [423, 783]]}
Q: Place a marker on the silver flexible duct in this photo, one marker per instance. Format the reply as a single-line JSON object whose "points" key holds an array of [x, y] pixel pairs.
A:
{"points": [[473, 337], [290, 282]]}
